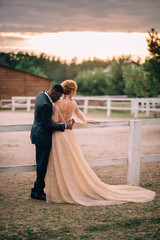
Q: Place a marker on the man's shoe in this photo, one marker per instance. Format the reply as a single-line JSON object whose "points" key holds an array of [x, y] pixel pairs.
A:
{"points": [[38, 195]]}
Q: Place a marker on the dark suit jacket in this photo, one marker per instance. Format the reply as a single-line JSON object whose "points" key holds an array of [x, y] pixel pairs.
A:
{"points": [[42, 128]]}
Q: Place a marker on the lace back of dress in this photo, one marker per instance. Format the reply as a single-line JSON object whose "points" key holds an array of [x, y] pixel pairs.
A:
{"points": [[63, 112], [57, 116]]}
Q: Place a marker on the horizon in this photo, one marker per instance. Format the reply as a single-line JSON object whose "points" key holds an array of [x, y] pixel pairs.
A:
{"points": [[83, 29], [83, 46]]}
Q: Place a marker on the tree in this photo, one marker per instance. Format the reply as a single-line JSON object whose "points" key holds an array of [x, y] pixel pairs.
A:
{"points": [[153, 43], [152, 65], [8, 59], [135, 82], [26, 64], [115, 81], [152, 72], [48, 66], [90, 83], [139, 81]]}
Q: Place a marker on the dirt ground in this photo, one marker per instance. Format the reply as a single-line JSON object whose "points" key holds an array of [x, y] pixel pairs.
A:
{"points": [[25, 218], [96, 143]]}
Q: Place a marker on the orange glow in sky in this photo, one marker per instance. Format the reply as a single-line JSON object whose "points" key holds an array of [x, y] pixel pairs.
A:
{"points": [[82, 45]]}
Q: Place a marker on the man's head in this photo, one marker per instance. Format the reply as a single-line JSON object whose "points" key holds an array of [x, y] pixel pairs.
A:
{"points": [[55, 92]]}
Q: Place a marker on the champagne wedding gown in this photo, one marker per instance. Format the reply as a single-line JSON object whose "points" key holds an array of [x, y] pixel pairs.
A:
{"points": [[69, 178]]}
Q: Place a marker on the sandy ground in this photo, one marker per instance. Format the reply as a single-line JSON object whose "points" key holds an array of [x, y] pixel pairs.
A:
{"points": [[96, 143], [25, 218]]}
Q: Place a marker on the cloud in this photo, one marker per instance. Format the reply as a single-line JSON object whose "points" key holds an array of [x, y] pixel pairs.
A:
{"points": [[76, 15], [10, 41]]}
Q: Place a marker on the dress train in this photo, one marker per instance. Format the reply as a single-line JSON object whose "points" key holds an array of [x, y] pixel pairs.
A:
{"points": [[70, 179]]}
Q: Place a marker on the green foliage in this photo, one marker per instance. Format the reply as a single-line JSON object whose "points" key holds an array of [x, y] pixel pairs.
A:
{"points": [[142, 81], [4, 59], [47, 66], [8, 59], [100, 83], [115, 81], [153, 43], [135, 83], [26, 64], [152, 73], [123, 76], [53, 69], [92, 64], [91, 83]]}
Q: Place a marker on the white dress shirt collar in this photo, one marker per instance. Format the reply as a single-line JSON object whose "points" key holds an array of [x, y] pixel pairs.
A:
{"points": [[50, 99]]}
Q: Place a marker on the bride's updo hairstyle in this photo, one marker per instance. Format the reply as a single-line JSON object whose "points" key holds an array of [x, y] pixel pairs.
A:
{"points": [[69, 86]]}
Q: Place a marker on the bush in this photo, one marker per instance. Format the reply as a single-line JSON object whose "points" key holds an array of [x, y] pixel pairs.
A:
{"points": [[92, 83], [142, 81]]}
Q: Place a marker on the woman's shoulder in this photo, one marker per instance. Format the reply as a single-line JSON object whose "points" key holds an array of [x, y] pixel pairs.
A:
{"points": [[74, 102], [57, 103], [63, 101]]}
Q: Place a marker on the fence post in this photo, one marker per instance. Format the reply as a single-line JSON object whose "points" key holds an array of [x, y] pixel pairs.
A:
{"points": [[132, 106], [108, 107], [147, 108], [136, 108], [85, 106], [153, 104], [28, 105], [13, 104], [134, 152], [142, 105]]}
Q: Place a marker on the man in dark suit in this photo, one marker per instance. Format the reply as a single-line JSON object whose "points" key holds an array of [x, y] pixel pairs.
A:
{"points": [[41, 135]]}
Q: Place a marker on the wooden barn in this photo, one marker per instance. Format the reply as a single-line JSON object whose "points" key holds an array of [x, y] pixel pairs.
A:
{"points": [[18, 83]]}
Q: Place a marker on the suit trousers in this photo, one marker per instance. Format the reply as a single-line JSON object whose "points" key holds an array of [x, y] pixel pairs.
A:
{"points": [[42, 155]]}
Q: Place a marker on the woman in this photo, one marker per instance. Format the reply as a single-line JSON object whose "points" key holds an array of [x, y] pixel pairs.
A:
{"points": [[69, 178]]}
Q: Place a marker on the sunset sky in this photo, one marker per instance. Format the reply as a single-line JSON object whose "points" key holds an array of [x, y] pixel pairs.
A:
{"points": [[81, 28]]}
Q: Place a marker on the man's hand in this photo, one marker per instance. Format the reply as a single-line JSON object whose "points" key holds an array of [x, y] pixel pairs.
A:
{"points": [[69, 124]]}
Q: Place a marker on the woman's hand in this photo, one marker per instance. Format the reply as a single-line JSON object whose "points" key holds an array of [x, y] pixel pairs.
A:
{"points": [[91, 121]]}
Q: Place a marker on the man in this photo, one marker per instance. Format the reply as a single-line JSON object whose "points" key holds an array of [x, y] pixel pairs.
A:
{"points": [[41, 135]]}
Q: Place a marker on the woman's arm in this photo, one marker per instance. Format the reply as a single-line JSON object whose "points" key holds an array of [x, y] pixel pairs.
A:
{"points": [[80, 117]]}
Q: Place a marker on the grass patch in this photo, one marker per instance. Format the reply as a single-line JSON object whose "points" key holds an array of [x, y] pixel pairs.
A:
{"points": [[120, 114], [25, 218]]}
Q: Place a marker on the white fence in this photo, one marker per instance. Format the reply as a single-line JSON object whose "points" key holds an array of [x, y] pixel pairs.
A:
{"points": [[133, 159], [17, 102], [134, 105]]}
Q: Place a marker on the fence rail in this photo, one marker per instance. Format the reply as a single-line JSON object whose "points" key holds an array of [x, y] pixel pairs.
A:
{"points": [[134, 105], [133, 159]]}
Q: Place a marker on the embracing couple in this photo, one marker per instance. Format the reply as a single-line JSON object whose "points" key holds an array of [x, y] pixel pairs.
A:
{"points": [[63, 175]]}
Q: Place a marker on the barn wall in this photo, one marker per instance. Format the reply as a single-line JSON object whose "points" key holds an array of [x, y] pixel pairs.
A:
{"points": [[18, 83]]}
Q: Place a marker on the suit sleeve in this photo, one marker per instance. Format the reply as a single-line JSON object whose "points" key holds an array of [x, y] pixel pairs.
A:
{"points": [[46, 117]]}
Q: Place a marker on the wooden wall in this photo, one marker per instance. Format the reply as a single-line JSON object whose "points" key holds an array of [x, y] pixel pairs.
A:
{"points": [[18, 83]]}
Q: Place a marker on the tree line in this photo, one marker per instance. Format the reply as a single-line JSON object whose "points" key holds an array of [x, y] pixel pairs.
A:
{"points": [[120, 76]]}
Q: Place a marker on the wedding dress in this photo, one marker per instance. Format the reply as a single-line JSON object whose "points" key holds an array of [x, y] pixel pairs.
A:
{"points": [[69, 178]]}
